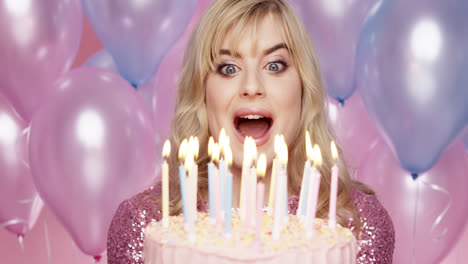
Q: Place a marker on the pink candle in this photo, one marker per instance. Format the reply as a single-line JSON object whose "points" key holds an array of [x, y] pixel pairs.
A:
{"points": [[333, 189]]}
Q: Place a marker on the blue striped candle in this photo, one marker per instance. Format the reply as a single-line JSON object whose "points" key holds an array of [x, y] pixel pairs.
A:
{"points": [[182, 176]]}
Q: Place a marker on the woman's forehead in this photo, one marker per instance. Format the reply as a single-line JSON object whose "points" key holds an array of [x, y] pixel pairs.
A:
{"points": [[254, 37]]}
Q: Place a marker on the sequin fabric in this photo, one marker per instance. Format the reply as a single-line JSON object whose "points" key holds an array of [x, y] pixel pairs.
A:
{"points": [[126, 232]]}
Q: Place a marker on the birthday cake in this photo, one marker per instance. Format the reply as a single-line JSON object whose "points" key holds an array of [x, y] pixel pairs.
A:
{"points": [[209, 244]]}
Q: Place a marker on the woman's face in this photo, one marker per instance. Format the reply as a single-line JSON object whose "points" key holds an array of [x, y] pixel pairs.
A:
{"points": [[256, 94]]}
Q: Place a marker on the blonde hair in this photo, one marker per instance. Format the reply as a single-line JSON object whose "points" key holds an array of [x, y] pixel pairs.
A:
{"points": [[191, 115]]}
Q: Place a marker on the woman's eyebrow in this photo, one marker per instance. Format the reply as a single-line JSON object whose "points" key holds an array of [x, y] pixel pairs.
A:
{"points": [[266, 52]]}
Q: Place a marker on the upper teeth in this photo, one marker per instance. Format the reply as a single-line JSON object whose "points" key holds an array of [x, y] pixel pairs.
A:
{"points": [[252, 116]]}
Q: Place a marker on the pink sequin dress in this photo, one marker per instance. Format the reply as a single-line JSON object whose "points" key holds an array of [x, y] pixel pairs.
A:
{"points": [[126, 232]]}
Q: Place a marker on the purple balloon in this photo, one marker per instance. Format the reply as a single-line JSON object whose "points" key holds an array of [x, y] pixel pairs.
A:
{"points": [[464, 138], [138, 33], [39, 41], [334, 28], [429, 213], [20, 204], [91, 148], [102, 59], [355, 132], [412, 72]]}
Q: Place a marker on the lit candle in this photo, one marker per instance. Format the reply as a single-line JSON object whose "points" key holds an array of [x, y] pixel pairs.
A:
{"points": [[246, 164], [165, 184], [334, 188], [227, 226], [274, 170], [261, 168], [222, 167], [211, 170], [194, 176], [251, 186], [284, 170], [301, 209], [216, 190], [188, 166], [314, 186], [278, 218], [182, 175]]}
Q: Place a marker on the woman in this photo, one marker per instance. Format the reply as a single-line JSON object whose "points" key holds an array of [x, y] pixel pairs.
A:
{"points": [[250, 68]]}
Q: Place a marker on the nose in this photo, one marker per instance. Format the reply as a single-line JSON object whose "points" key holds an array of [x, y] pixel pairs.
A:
{"points": [[253, 85]]}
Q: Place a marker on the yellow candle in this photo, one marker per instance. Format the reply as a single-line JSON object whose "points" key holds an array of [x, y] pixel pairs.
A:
{"points": [[165, 184]]}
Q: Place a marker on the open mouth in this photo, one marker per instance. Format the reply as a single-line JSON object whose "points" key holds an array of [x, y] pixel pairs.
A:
{"points": [[256, 125]]}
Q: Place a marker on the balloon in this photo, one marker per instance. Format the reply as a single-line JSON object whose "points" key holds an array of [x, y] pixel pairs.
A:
{"points": [[464, 138], [39, 42], [355, 132], [334, 28], [91, 148], [164, 83], [102, 59], [138, 33], [20, 204], [429, 213], [412, 72]]}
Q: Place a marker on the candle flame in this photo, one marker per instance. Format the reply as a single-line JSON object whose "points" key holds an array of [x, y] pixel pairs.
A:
{"points": [[334, 151], [317, 155], [261, 165], [210, 147], [282, 151], [189, 163], [196, 147], [277, 144], [309, 149], [253, 149], [183, 149], [215, 152], [222, 140], [228, 154], [166, 149]]}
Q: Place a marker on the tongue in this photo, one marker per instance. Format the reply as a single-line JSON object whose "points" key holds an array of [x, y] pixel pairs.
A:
{"points": [[255, 128]]}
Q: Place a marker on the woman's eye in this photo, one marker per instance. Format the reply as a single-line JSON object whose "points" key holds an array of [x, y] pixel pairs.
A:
{"points": [[277, 66], [227, 69]]}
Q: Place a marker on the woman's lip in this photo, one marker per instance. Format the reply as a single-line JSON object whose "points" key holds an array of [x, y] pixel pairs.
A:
{"points": [[253, 111]]}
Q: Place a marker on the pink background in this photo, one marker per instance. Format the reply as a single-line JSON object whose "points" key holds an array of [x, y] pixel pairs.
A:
{"points": [[62, 248]]}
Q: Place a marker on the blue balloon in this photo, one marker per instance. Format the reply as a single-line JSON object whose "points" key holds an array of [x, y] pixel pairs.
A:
{"points": [[102, 59], [138, 33], [412, 72], [334, 28], [464, 138]]}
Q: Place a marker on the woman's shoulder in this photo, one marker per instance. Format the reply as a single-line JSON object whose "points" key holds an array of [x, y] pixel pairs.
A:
{"points": [[377, 237], [126, 232]]}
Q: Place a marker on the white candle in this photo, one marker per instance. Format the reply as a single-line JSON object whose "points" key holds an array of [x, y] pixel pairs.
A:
{"points": [[314, 193], [246, 164], [165, 184], [333, 189], [261, 168], [222, 169], [281, 193], [302, 208]]}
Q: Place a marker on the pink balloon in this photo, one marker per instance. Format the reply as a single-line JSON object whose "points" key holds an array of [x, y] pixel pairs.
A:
{"points": [[91, 148], [39, 42], [20, 204], [354, 129], [436, 214]]}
